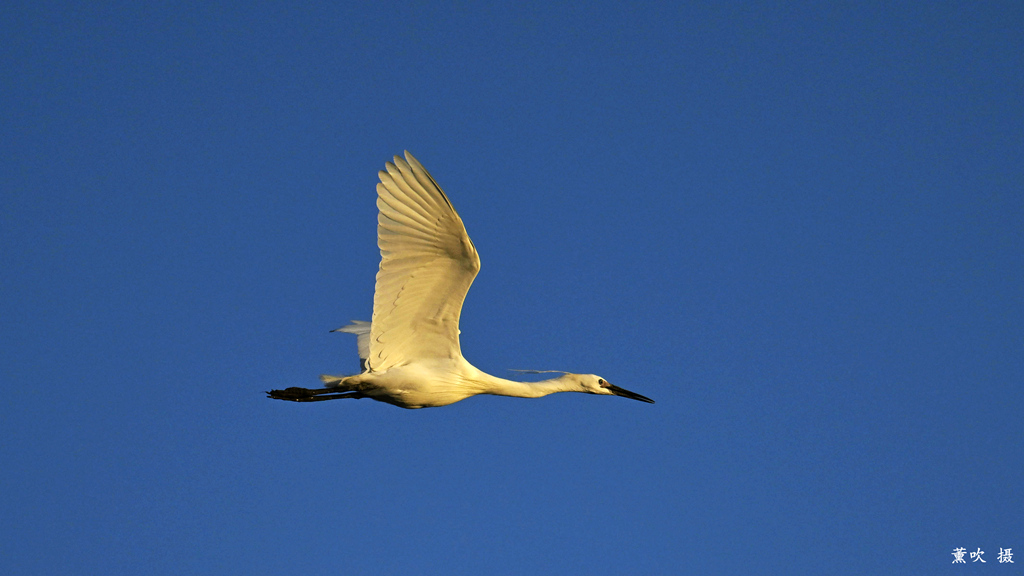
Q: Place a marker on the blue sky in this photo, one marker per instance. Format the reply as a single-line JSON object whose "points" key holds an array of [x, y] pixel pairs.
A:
{"points": [[798, 228]]}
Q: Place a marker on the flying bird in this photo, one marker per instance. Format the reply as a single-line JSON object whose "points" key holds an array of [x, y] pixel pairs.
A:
{"points": [[409, 352]]}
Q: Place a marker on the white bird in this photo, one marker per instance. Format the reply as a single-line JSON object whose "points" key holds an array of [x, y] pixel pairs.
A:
{"points": [[410, 353]]}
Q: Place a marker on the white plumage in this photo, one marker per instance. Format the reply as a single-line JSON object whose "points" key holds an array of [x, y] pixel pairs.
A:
{"points": [[410, 352]]}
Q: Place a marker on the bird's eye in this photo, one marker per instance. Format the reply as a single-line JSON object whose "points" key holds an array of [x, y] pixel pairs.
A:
{"points": [[601, 381]]}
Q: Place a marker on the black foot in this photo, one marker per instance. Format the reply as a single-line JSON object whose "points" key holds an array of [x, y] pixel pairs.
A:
{"points": [[307, 395]]}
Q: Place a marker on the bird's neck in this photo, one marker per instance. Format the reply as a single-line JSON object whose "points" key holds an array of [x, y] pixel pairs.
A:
{"points": [[502, 387]]}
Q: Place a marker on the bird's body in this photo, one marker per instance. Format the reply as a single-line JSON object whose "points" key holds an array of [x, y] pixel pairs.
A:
{"points": [[410, 352], [442, 381]]}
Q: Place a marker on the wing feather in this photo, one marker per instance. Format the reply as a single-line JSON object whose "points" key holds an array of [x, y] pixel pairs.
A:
{"points": [[427, 265]]}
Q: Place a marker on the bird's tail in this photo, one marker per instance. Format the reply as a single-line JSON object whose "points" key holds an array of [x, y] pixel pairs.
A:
{"points": [[331, 381]]}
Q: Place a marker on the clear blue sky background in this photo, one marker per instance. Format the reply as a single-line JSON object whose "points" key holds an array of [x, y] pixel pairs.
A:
{"points": [[799, 229]]}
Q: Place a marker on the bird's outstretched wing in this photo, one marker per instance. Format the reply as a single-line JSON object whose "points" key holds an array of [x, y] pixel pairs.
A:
{"points": [[361, 328], [427, 265]]}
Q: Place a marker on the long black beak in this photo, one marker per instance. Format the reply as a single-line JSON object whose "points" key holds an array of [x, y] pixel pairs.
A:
{"points": [[626, 393]]}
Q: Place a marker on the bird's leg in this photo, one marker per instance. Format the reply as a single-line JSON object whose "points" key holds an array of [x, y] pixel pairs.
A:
{"points": [[336, 387], [311, 395]]}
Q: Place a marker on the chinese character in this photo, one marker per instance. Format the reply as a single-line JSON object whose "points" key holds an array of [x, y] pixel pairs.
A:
{"points": [[1006, 556], [958, 556], [977, 556]]}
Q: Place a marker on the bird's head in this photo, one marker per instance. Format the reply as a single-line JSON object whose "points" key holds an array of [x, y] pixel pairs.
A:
{"points": [[594, 384]]}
